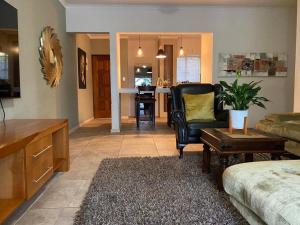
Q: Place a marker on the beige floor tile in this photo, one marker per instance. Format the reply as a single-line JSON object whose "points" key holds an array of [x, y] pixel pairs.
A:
{"points": [[80, 194], [40, 217], [139, 156], [137, 135], [137, 141], [75, 152], [85, 174], [193, 148], [168, 152], [95, 156], [86, 159], [138, 149], [169, 148], [164, 137], [107, 138], [81, 173], [105, 146], [66, 216], [60, 195]]}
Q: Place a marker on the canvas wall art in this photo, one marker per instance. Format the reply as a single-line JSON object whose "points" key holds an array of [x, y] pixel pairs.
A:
{"points": [[253, 64], [81, 69]]}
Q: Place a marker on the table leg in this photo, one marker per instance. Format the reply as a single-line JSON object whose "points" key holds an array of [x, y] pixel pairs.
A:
{"points": [[248, 157], [223, 165], [206, 159]]}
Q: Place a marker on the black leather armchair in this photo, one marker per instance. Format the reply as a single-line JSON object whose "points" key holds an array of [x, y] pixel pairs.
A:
{"points": [[189, 132]]}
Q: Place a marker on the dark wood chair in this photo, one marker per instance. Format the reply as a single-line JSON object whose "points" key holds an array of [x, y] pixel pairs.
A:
{"points": [[145, 99]]}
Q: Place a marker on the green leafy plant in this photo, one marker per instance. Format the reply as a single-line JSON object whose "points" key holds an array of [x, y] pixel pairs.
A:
{"points": [[241, 96]]}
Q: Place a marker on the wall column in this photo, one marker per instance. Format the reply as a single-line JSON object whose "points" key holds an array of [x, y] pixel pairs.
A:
{"points": [[297, 69], [115, 81]]}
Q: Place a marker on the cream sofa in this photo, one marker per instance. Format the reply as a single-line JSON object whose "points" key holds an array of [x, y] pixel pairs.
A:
{"points": [[265, 192], [286, 125]]}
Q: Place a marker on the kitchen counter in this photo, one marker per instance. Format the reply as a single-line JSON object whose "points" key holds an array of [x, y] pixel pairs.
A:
{"points": [[135, 90]]}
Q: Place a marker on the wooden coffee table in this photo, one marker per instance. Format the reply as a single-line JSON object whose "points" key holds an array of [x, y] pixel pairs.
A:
{"points": [[226, 144]]}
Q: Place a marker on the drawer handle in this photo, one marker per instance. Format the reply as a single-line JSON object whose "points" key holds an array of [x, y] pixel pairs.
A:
{"points": [[44, 174], [41, 152]]}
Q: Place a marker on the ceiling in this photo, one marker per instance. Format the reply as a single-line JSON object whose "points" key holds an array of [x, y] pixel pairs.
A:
{"points": [[187, 2]]}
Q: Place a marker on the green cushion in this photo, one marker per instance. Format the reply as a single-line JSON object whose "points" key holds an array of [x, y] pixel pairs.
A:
{"points": [[287, 129], [269, 189], [282, 117], [199, 106]]}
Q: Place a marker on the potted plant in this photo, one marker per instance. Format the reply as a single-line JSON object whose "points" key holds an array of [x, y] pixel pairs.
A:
{"points": [[240, 97]]}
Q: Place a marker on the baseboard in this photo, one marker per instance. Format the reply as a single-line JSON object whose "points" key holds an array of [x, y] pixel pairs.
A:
{"points": [[72, 130], [115, 131], [86, 121]]}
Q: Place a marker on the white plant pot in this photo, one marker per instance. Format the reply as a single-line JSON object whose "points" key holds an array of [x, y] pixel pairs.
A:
{"points": [[237, 118]]}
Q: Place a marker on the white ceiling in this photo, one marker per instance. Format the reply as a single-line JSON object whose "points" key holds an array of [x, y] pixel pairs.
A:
{"points": [[187, 2]]}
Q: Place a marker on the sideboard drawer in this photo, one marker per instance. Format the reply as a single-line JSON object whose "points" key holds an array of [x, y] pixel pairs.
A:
{"points": [[39, 163]]}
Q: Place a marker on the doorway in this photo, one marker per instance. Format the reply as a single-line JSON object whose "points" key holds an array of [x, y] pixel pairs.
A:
{"points": [[101, 86]]}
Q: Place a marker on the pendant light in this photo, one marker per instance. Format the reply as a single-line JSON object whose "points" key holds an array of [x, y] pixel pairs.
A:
{"points": [[160, 53], [181, 51], [1, 52], [140, 51]]}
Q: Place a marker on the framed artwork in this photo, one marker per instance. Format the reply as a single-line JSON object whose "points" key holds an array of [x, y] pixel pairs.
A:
{"points": [[81, 69], [253, 65]]}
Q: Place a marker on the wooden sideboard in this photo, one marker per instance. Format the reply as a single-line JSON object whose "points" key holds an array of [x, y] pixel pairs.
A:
{"points": [[30, 152]]}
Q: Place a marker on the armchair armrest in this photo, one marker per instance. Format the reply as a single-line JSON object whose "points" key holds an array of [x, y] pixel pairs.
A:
{"points": [[222, 115], [178, 117]]}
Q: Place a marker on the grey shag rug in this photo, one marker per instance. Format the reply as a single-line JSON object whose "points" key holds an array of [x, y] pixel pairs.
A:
{"points": [[148, 191]]}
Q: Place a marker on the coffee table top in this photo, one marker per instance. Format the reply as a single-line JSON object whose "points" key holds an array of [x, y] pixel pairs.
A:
{"points": [[222, 140]]}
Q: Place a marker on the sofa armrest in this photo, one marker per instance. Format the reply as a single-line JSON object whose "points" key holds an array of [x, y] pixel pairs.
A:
{"points": [[222, 115]]}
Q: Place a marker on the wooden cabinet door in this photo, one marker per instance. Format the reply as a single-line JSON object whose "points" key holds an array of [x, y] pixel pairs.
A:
{"points": [[101, 86]]}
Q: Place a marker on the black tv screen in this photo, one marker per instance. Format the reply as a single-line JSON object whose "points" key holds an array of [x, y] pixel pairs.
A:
{"points": [[9, 52]]}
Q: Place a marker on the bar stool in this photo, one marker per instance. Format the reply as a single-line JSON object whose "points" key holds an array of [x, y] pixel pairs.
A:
{"points": [[146, 98]]}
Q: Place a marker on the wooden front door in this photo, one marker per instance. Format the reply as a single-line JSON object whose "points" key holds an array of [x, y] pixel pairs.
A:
{"points": [[101, 86]]}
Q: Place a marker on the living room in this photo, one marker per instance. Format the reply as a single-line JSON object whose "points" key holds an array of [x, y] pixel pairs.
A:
{"points": [[134, 184]]}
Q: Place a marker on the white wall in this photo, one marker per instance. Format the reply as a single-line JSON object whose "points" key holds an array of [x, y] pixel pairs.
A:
{"points": [[235, 29], [85, 96], [100, 47], [297, 68], [38, 100]]}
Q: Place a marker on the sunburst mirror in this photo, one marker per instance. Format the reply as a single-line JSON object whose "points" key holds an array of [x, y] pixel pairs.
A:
{"points": [[50, 56]]}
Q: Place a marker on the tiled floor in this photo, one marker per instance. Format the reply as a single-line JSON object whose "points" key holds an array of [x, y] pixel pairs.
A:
{"points": [[89, 145]]}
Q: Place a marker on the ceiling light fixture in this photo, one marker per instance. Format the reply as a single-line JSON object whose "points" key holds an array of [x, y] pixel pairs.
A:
{"points": [[140, 51], [181, 51], [160, 53]]}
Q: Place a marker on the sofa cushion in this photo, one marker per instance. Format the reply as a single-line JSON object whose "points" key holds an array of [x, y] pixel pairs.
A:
{"points": [[270, 189], [287, 129], [293, 147], [282, 117], [199, 106]]}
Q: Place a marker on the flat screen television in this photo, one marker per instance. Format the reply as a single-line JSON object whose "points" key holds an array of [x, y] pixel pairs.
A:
{"points": [[9, 52]]}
